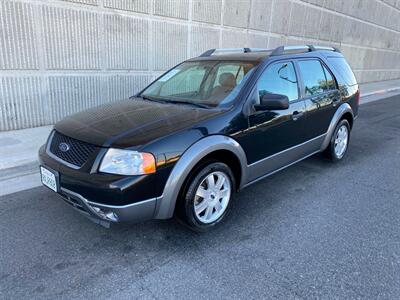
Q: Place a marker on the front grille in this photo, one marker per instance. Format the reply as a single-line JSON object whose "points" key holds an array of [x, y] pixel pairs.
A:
{"points": [[78, 152]]}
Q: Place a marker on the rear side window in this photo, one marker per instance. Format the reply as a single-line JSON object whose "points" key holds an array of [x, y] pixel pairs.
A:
{"points": [[343, 68], [313, 77], [330, 82], [279, 78]]}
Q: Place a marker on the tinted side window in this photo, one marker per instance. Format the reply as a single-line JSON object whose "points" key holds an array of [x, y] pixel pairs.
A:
{"points": [[279, 78], [343, 68], [313, 77], [330, 82]]}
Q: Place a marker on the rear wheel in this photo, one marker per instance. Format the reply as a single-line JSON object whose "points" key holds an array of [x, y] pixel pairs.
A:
{"points": [[207, 199], [339, 141]]}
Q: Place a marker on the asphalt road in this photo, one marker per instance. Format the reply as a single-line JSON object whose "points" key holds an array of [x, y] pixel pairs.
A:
{"points": [[314, 230]]}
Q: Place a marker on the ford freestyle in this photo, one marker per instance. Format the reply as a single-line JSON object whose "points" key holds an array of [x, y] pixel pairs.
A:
{"points": [[208, 127]]}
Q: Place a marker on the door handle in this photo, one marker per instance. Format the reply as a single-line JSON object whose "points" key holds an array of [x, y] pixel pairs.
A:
{"points": [[297, 115]]}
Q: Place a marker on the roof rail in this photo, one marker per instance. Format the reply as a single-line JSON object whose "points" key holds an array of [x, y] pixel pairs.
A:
{"points": [[275, 52], [301, 48], [232, 50]]}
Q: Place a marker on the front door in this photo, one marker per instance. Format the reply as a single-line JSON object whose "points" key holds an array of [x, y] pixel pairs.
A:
{"points": [[273, 135]]}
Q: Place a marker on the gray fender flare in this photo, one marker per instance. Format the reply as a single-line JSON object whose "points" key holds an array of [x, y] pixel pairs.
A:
{"points": [[342, 109], [166, 203]]}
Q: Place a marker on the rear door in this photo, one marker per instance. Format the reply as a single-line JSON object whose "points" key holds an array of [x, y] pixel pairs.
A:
{"points": [[320, 94]]}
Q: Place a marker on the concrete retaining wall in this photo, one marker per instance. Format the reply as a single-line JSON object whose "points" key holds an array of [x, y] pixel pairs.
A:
{"points": [[58, 57]]}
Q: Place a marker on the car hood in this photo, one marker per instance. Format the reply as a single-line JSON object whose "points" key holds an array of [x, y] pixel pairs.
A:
{"points": [[131, 122]]}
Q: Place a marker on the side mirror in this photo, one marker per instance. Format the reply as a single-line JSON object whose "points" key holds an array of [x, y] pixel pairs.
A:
{"points": [[271, 101]]}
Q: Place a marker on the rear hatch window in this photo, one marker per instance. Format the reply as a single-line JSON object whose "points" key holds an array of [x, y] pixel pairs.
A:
{"points": [[342, 67]]}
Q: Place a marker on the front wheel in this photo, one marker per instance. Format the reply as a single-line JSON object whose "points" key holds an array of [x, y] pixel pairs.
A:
{"points": [[339, 141], [207, 199]]}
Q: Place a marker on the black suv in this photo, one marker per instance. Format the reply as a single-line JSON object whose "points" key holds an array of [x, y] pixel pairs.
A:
{"points": [[210, 126]]}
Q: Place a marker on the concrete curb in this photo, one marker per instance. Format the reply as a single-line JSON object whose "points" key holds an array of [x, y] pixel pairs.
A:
{"points": [[381, 92], [379, 95], [18, 178], [24, 174]]}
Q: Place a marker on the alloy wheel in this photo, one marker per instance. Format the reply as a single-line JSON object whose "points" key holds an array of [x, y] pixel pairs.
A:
{"points": [[341, 141], [212, 197]]}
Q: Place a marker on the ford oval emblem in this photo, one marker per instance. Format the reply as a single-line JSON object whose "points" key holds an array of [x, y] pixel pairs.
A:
{"points": [[64, 147]]}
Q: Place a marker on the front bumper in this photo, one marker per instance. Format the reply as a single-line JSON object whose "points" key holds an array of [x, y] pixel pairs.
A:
{"points": [[117, 198], [106, 214]]}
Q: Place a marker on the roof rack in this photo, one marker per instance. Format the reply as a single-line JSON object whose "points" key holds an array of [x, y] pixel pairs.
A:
{"points": [[231, 50], [275, 52], [301, 48]]}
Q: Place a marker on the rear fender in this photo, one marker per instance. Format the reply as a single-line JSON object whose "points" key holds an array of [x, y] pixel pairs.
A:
{"points": [[342, 109]]}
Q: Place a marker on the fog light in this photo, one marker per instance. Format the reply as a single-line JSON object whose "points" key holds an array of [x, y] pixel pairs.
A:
{"points": [[107, 215]]}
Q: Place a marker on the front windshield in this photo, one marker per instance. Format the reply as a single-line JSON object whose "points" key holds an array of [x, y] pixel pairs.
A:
{"points": [[210, 83]]}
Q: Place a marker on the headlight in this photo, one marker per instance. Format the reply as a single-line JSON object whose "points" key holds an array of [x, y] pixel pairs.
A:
{"points": [[127, 162]]}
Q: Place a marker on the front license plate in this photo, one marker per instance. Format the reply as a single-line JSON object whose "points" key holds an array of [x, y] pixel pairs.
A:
{"points": [[48, 179]]}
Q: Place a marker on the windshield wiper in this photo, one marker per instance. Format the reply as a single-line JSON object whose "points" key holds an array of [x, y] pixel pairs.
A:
{"points": [[188, 103], [153, 99], [174, 101]]}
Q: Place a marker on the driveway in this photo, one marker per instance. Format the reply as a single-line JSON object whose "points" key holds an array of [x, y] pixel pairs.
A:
{"points": [[314, 230]]}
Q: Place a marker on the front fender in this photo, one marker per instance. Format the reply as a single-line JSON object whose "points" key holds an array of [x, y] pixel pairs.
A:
{"points": [[166, 204]]}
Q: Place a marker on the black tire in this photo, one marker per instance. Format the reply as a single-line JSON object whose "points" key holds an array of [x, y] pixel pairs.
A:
{"points": [[185, 210], [330, 152]]}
